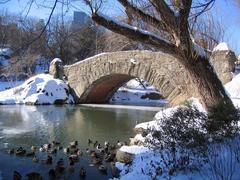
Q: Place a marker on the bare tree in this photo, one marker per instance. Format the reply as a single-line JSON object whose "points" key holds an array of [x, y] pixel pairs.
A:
{"points": [[208, 32], [171, 17]]}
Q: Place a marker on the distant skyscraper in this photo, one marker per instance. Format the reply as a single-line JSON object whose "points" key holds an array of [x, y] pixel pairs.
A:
{"points": [[80, 18]]}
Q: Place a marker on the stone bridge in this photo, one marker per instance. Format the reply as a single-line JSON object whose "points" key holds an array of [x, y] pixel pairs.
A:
{"points": [[96, 79]]}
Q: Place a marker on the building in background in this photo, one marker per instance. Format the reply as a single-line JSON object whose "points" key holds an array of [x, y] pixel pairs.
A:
{"points": [[81, 19]]}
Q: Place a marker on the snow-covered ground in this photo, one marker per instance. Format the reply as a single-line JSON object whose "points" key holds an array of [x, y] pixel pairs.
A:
{"points": [[138, 92], [9, 84], [39, 89]]}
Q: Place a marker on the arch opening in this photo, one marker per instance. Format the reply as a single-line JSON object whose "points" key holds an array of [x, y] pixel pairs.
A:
{"points": [[122, 89]]}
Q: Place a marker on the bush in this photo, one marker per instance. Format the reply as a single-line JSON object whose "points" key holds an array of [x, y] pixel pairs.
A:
{"points": [[185, 137]]}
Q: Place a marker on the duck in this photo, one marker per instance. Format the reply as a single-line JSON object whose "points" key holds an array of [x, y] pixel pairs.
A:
{"points": [[96, 161], [59, 147], [89, 142], [99, 147], [30, 154], [48, 160], [82, 172], [56, 143], [95, 144], [109, 157], [66, 150], [33, 148], [41, 149], [11, 151], [120, 144], [103, 169], [71, 161], [53, 151], [52, 174], [79, 152], [17, 175], [35, 159], [20, 151], [34, 176], [73, 144], [60, 166], [106, 144], [114, 170], [47, 146], [74, 157]]}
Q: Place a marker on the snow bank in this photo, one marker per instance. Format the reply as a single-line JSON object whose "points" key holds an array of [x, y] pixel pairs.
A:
{"points": [[134, 149], [40, 89], [233, 90], [221, 47]]}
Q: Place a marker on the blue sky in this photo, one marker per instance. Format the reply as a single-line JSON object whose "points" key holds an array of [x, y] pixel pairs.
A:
{"points": [[226, 10]]}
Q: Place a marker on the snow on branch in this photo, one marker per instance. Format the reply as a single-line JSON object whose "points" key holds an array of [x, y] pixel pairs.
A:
{"points": [[135, 34]]}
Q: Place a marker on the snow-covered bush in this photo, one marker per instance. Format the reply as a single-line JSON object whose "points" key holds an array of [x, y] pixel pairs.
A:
{"points": [[184, 139]]}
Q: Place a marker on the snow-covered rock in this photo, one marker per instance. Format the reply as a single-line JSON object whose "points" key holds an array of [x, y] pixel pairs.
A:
{"points": [[233, 90], [40, 89], [223, 46], [5, 52]]}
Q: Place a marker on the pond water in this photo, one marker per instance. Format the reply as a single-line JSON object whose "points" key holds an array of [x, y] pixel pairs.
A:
{"points": [[36, 125]]}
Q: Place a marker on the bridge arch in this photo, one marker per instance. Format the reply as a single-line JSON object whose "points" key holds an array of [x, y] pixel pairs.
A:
{"points": [[94, 80]]}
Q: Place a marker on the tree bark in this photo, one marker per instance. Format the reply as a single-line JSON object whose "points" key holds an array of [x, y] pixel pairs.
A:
{"points": [[207, 83]]}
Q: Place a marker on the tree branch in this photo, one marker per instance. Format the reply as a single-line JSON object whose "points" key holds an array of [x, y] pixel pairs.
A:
{"points": [[135, 34], [167, 15], [156, 23]]}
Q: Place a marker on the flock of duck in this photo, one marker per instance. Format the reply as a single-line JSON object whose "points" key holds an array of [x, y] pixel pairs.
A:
{"points": [[98, 153]]}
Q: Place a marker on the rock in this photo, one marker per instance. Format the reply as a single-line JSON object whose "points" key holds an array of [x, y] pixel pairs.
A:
{"points": [[56, 68], [124, 157], [224, 64]]}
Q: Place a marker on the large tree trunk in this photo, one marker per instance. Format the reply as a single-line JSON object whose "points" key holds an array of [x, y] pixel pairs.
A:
{"points": [[207, 83]]}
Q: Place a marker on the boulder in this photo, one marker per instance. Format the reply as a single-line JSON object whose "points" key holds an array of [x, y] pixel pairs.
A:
{"points": [[56, 68], [124, 157]]}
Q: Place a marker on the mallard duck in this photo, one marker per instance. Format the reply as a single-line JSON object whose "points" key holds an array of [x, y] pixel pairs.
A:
{"points": [[120, 144], [102, 168], [89, 142], [47, 146], [17, 175], [11, 151], [34, 176], [82, 172], [30, 154], [74, 157], [20, 151], [41, 149], [53, 151], [56, 143], [95, 144], [60, 166], [106, 143], [35, 159], [79, 152], [52, 174], [109, 157], [73, 144], [66, 150], [33, 148], [114, 170], [48, 160]]}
